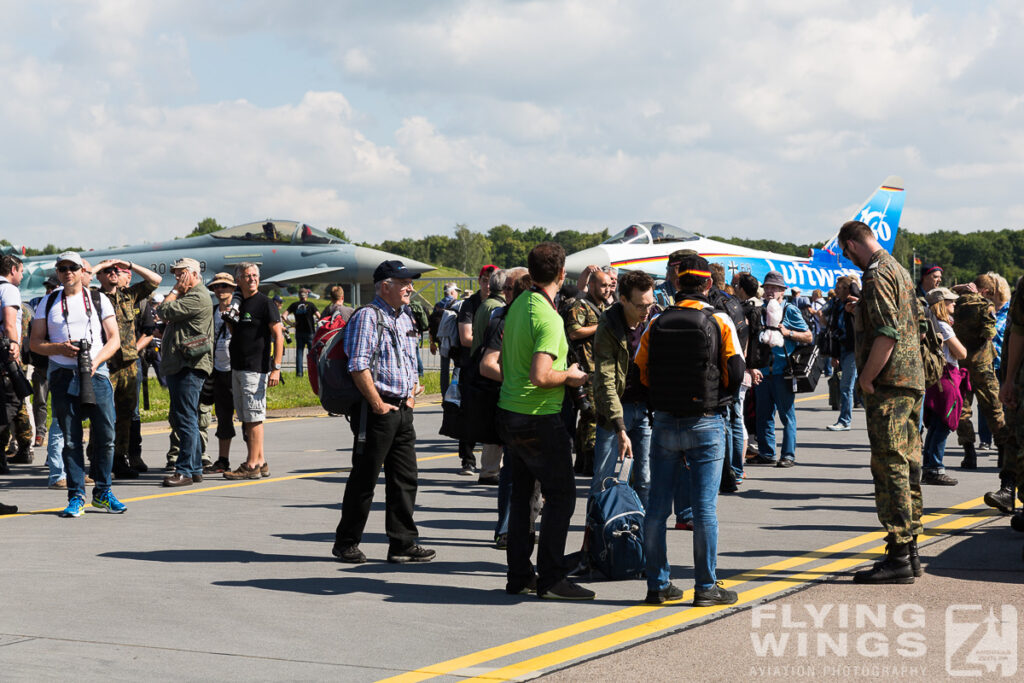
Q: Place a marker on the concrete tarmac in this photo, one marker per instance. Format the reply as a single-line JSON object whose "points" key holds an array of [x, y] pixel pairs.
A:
{"points": [[235, 580]]}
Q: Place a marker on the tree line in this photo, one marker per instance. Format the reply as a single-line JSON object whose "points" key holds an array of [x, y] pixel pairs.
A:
{"points": [[962, 255]]}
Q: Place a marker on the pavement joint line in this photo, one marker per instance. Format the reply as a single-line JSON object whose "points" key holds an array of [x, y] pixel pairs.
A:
{"points": [[221, 487], [499, 651], [536, 665], [28, 638]]}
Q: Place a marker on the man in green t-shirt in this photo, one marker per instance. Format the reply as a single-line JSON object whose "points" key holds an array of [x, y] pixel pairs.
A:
{"points": [[529, 422]]}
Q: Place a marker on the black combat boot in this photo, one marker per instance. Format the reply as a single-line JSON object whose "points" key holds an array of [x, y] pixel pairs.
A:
{"points": [[895, 568], [915, 558], [999, 459], [970, 461], [121, 469], [1002, 499], [24, 455], [135, 447], [1017, 521], [4, 468]]}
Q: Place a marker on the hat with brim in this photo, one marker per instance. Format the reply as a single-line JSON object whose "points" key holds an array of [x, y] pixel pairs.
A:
{"points": [[71, 257], [773, 278], [940, 294], [393, 269], [222, 279], [186, 263]]}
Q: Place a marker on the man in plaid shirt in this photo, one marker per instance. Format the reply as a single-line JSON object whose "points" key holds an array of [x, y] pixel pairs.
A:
{"points": [[388, 384]]}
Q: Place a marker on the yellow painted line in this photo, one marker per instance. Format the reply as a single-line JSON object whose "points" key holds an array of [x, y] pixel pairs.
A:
{"points": [[810, 398], [246, 482], [618, 616], [546, 661]]}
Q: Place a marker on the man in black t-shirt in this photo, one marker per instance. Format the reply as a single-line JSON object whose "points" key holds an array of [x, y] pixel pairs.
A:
{"points": [[259, 324], [467, 312], [305, 315]]}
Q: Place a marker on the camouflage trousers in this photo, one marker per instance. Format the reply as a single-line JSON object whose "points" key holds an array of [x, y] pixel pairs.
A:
{"points": [[126, 400], [204, 426], [586, 437], [892, 419], [985, 387], [18, 424]]}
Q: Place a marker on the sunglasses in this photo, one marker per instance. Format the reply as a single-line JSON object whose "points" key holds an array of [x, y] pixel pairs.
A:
{"points": [[68, 269]]}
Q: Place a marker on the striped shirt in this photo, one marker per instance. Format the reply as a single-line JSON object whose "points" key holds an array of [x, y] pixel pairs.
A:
{"points": [[396, 373]]}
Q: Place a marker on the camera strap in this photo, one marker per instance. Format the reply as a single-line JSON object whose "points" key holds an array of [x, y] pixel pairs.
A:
{"points": [[88, 312]]}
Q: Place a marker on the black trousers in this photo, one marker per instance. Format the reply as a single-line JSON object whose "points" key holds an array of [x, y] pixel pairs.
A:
{"points": [[538, 449], [391, 444], [223, 404]]}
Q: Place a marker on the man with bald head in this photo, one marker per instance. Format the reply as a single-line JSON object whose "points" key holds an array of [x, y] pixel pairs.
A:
{"points": [[580, 327]]}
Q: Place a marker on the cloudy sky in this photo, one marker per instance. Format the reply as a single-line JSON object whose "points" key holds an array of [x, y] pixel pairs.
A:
{"points": [[124, 121]]}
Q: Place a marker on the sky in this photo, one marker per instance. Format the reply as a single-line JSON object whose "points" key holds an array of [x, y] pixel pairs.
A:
{"points": [[129, 121]]}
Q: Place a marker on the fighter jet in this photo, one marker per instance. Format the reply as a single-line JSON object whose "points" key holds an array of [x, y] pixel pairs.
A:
{"points": [[646, 246], [288, 252]]}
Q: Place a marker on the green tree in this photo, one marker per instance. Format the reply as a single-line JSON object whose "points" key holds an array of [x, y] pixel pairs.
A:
{"points": [[339, 233], [468, 250], [204, 227]]}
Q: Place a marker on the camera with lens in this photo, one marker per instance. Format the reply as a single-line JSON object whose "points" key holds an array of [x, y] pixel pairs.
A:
{"points": [[86, 392], [10, 369], [234, 311]]}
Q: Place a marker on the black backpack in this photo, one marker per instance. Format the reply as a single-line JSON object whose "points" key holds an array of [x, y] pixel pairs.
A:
{"points": [[684, 347], [732, 306], [758, 355]]}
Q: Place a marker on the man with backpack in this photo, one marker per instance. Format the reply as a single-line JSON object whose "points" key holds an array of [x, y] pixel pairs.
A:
{"points": [[490, 453], [775, 392], [690, 393], [380, 342], [451, 294]]}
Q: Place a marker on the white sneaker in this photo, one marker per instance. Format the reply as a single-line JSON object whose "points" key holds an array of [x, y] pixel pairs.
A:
{"points": [[838, 427]]}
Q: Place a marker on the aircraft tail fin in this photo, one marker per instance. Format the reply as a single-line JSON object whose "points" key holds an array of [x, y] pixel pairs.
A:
{"points": [[881, 212]]}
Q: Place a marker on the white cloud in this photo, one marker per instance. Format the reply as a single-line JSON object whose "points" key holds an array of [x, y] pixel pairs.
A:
{"points": [[730, 118]]}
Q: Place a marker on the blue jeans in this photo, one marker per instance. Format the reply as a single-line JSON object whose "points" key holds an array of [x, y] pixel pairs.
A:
{"points": [[606, 451], [183, 387], [677, 442], [70, 413], [504, 497], [736, 434], [303, 342], [934, 444], [55, 452], [776, 393], [847, 383]]}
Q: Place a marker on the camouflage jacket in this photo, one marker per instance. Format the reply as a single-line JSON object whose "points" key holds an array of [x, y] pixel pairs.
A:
{"points": [[126, 302], [887, 309], [584, 313], [973, 321]]}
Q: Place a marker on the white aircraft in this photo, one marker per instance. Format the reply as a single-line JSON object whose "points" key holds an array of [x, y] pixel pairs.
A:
{"points": [[646, 246]]}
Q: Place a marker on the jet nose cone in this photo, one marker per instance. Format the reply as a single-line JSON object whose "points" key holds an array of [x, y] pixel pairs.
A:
{"points": [[595, 256], [368, 259]]}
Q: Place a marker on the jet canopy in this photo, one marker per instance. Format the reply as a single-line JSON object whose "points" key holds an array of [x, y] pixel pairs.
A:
{"points": [[281, 232], [650, 233]]}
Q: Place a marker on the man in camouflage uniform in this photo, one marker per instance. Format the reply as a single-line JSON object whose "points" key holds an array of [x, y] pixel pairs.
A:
{"points": [[580, 326], [891, 380], [15, 418], [1012, 395], [975, 327], [113, 276]]}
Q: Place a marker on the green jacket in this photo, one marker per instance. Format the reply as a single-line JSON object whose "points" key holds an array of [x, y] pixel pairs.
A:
{"points": [[611, 363], [186, 318]]}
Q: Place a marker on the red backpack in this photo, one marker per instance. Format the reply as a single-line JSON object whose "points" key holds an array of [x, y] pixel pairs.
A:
{"points": [[326, 330]]}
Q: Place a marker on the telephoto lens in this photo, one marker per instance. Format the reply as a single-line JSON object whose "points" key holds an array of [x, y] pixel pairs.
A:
{"points": [[86, 392]]}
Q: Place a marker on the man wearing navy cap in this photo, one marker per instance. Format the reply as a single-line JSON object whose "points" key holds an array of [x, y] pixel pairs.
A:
{"points": [[380, 341]]}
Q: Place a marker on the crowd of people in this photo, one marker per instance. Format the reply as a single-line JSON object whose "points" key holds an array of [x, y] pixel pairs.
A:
{"points": [[88, 351], [685, 380]]}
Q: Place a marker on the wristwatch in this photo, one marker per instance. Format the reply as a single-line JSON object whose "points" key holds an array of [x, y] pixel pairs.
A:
{"points": [[277, 366]]}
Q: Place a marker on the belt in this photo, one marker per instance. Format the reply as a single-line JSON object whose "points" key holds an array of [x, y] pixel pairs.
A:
{"points": [[393, 400]]}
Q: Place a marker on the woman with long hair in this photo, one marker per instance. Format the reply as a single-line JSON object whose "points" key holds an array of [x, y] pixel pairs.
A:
{"points": [[943, 400]]}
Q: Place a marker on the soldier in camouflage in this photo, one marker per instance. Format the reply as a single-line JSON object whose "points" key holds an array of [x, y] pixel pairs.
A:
{"points": [[1012, 396], [891, 380], [15, 418], [975, 326], [113, 276], [580, 326]]}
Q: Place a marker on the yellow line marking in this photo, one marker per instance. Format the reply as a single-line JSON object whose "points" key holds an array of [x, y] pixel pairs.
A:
{"points": [[618, 616], [810, 398], [247, 482]]}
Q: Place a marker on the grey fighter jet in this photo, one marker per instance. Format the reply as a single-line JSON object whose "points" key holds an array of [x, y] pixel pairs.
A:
{"points": [[288, 252]]}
